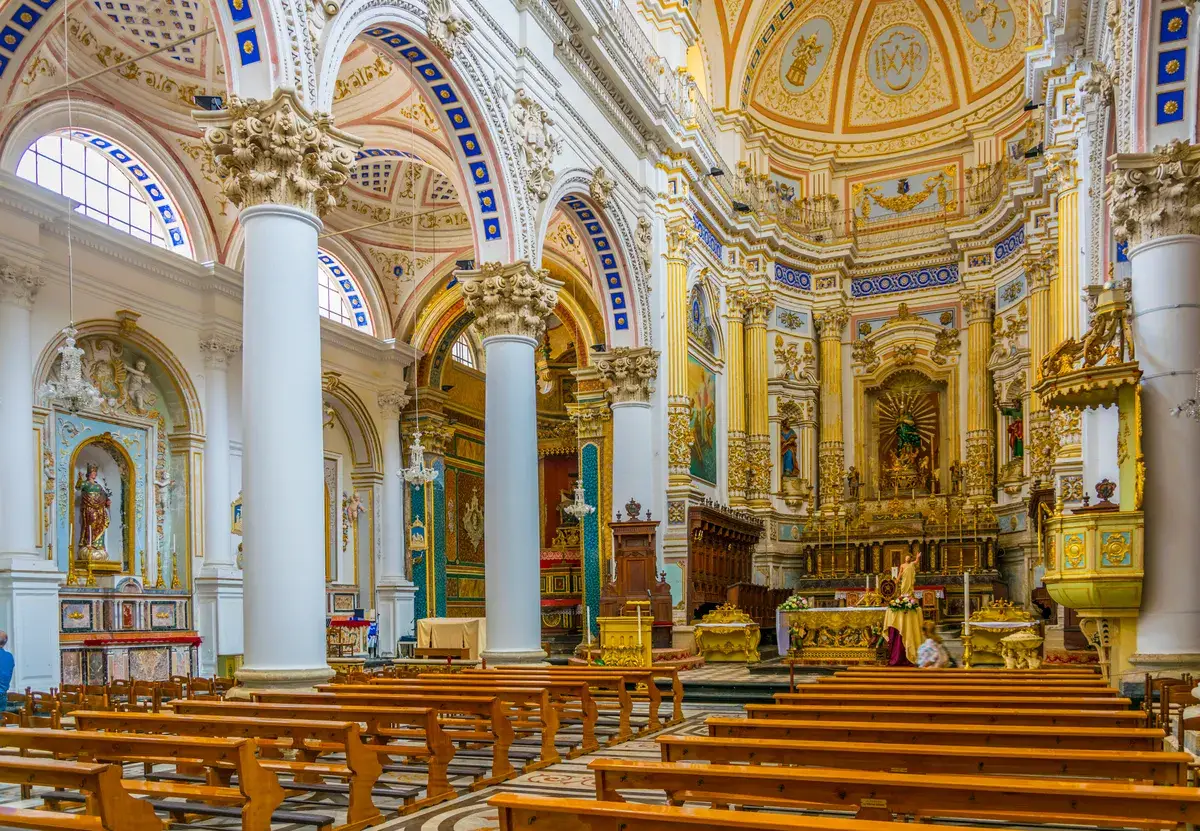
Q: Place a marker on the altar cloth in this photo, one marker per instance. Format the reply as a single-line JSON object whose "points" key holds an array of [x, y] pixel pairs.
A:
{"points": [[453, 633]]}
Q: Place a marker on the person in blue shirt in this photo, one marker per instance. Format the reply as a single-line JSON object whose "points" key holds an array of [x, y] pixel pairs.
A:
{"points": [[7, 664]]}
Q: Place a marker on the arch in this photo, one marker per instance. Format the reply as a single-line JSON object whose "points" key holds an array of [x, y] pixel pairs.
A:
{"points": [[160, 167], [365, 278], [622, 288], [468, 109], [184, 405], [254, 37], [346, 286], [356, 419], [126, 464], [701, 288]]}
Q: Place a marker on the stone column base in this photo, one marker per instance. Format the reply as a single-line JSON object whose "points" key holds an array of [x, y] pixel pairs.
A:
{"points": [[395, 599], [218, 616], [278, 680], [494, 659], [29, 614], [1159, 663]]}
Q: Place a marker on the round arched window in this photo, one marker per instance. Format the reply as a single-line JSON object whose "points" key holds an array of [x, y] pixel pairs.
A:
{"points": [[338, 295]]}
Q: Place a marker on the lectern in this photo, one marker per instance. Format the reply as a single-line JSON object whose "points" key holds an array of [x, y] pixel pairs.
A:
{"points": [[637, 576]]}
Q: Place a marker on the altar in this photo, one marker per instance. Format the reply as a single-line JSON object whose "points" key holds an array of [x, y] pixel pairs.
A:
{"points": [[984, 633], [833, 636]]}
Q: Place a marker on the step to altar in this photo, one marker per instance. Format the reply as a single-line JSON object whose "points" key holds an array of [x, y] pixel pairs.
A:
{"points": [[678, 658]]}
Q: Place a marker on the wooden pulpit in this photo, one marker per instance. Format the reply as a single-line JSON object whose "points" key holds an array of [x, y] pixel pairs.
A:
{"points": [[637, 575]]}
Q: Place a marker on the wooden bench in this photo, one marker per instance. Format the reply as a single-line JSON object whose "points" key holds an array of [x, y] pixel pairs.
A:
{"points": [[878, 795], [475, 719], [518, 812], [1009, 701], [531, 708], [999, 672], [669, 673], [934, 714], [1096, 683], [614, 684], [1157, 768], [987, 735], [254, 800], [380, 727], [934, 690], [108, 806], [308, 740]]}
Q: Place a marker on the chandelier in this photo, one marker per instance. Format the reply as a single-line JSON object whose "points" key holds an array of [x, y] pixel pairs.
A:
{"points": [[579, 508], [418, 473], [1191, 407]]}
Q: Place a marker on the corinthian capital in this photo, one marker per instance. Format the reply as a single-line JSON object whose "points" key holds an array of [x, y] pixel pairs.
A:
{"points": [[217, 349], [630, 373], [512, 299], [19, 284], [758, 308], [392, 400], [978, 304], [1155, 194], [831, 322], [681, 236], [277, 153]]}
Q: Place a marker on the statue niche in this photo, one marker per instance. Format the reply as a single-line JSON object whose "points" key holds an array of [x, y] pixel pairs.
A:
{"points": [[907, 414], [102, 511]]}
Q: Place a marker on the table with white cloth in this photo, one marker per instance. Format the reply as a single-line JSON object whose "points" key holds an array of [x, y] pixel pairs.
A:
{"points": [[982, 645], [453, 633]]}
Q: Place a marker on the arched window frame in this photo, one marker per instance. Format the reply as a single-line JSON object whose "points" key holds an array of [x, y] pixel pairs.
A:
{"points": [[462, 352], [357, 312], [142, 185]]}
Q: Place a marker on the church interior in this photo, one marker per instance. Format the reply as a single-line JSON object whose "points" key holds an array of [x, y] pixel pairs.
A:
{"points": [[606, 414]]}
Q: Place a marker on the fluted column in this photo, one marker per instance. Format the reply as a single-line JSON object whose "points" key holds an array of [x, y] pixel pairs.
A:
{"points": [[831, 450], [1043, 444], [395, 592], [1155, 203], [219, 611], [981, 438], [511, 304], [681, 236], [630, 374], [28, 581], [1066, 301], [758, 442], [735, 311], [283, 167]]}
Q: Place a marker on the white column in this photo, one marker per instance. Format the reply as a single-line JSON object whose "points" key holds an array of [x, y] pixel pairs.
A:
{"points": [[510, 304], [28, 581], [395, 593], [1154, 206], [219, 583], [282, 166], [630, 373]]}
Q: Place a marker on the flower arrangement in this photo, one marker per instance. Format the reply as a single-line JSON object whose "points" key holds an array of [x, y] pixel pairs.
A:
{"points": [[795, 603], [905, 603]]}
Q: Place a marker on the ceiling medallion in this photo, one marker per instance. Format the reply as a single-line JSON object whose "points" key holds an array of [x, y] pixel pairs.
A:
{"points": [[806, 55], [897, 60], [992, 23]]}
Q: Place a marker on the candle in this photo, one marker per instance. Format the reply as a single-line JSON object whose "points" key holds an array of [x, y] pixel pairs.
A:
{"points": [[966, 602], [868, 582], [612, 568], [639, 608], [588, 611], [172, 543]]}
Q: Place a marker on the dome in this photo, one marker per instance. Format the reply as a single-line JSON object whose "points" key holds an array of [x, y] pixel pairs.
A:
{"points": [[882, 76]]}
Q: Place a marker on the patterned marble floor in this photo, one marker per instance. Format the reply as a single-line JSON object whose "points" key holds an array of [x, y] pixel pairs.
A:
{"points": [[737, 674]]}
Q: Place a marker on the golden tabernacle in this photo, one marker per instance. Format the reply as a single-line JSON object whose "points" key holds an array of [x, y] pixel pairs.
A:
{"points": [[835, 636], [625, 640], [728, 634], [983, 633]]}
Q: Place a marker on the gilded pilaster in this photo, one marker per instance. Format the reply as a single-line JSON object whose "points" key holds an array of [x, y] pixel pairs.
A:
{"points": [[831, 450], [681, 236], [981, 440], [735, 305], [1043, 444], [758, 443]]}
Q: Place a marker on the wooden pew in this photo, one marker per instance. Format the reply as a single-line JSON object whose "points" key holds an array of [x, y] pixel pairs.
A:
{"points": [[1096, 683], [254, 800], [529, 705], [456, 653], [670, 673], [881, 795], [612, 683], [932, 690], [379, 726], [974, 672], [520, 812], [987, 735], [953, 702], [935, 714], [477, 718], [309, 740], [1156, 768], [109, 807]]}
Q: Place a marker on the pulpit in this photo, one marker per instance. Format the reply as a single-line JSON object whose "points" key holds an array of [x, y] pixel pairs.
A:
{"points": [[635, 576]]}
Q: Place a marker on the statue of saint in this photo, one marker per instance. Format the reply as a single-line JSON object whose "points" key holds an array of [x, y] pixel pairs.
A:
{"points": [[853, 482], [788, 450], [94, 502], [908, 437], [1016, 432], [804, 56]]}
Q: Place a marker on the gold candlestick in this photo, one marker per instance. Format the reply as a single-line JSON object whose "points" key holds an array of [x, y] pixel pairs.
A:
{"points": [[158, 582], [145, 570], [174, 570]]}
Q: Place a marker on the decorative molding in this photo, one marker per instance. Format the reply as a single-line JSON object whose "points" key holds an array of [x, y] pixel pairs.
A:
{"points": [[446, 29], [921, 278], [630, 373], [1155, 194], [510, 299], [531, 123], [218, 348], [392, 401], [19, 284], [601, 187]]}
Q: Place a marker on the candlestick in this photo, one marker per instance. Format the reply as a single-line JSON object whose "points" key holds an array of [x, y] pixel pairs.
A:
{"points": [[588, 611], [868, 582], [966, 602], [612, 568], [639, 610]]}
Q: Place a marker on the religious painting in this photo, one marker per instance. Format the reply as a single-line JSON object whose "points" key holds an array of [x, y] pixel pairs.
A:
{"points": [[908, 434], [702, 389], [699, 324], [559, 474]]}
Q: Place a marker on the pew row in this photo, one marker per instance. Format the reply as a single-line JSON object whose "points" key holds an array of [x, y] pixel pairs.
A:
{"points": [[956, 701], [1096, 683], [937, 689], [986, 735], [108, 806], [404, 732], [956, 715], [668, 673], [878, 795], [1143, 766]]}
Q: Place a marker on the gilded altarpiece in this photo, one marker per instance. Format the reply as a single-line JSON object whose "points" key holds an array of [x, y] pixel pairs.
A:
{"points": [[906, 425]]}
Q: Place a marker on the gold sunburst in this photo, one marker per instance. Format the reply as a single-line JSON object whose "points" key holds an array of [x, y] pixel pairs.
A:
{"points": [[895, 404]]}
